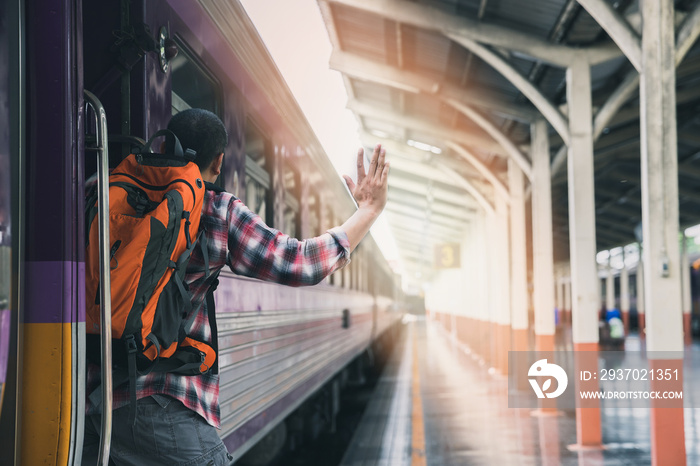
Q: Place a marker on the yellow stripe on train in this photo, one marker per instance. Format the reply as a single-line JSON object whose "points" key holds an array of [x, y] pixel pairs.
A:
{"points": [[46, 394]]}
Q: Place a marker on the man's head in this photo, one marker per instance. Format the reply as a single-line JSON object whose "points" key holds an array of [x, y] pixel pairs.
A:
{"points": [[199, 130]]}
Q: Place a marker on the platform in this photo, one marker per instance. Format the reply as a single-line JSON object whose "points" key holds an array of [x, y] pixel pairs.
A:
{"points": [[464, 418]]}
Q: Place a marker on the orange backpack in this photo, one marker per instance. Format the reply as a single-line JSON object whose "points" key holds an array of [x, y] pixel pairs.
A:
{"points": [[155, 205]]}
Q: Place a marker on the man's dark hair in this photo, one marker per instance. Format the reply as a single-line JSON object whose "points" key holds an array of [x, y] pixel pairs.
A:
{"points": [[201, 131]]}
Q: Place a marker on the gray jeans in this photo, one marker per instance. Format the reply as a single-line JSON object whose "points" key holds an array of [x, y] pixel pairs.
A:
{"points": [[166, 433]]}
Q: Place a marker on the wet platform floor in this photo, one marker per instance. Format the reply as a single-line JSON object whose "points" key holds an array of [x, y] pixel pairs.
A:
{"points": [[465, 419]]}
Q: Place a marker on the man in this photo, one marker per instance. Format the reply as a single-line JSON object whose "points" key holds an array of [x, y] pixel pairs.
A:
{"points": [[177, 416]]}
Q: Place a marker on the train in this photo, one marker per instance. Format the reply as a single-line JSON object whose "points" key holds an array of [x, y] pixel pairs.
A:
{"points": [[285, 353]]}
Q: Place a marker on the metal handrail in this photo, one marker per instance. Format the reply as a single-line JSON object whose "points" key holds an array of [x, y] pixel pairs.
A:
{"points": [[105, 287]]}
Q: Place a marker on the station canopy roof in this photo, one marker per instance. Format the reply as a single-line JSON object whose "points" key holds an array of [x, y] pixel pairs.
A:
{"points": [[450, 87]]}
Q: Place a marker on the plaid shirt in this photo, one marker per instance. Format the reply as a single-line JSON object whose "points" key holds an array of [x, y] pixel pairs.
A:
{"points": [[240, 239]]}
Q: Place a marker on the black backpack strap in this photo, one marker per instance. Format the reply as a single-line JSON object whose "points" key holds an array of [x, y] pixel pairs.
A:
{"points": [[185, 361], [188, 154], [211, 312], [212, 187], [181, 265]]}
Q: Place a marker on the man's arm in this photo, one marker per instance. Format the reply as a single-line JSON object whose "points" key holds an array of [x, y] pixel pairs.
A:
{"points": [[258, 251], [370, 193]]}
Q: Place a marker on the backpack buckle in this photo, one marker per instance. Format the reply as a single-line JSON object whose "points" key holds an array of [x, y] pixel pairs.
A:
{"points": [[130, 343]]}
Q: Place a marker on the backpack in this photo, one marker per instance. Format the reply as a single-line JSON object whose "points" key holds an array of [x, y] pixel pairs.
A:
{"points": [[155, 206]]}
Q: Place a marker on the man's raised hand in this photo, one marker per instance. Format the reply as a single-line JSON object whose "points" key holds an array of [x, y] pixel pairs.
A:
{"points": [[370, 192]]}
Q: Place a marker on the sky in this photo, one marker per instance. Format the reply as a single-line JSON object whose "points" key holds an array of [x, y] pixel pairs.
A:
{"points": [[296, 37]]}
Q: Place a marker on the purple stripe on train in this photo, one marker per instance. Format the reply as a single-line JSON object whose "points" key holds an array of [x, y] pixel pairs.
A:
{"points": [[54, 292], [4, 343], [239, 436]]}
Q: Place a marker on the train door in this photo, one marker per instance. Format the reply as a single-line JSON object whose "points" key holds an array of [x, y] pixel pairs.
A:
{"points": [[42, 403]]}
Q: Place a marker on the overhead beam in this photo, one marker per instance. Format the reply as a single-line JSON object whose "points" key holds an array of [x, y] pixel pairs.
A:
{"points": [[393, 76], [481, 168], [439, 230], [412, 249], [402, 196], [514, 153], [403, 231], [611, 226], [433, 19], [410, 210], [687, 34], [418, 124], [617, 28], [436, 230], [629, 115], [426, 237], [423, 170], [437, 207], [328, 19], [423, 258], [423, 190], [469, 188], [401, 150], [365, 69], [552, 114], [612, 239], [685, 38], [415, 240]]}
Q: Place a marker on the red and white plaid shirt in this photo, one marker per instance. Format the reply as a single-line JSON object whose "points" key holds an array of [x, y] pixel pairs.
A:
{"points": [[240, 239]]}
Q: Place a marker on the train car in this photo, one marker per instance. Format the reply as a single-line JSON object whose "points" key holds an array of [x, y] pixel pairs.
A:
{"points": [[284, 352]]}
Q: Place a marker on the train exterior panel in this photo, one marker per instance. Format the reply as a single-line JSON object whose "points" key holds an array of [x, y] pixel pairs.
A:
{"points": [[278, 345]]}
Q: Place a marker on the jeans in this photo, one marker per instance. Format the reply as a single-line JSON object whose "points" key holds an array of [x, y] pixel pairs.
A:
{"points": [[166, 433]]}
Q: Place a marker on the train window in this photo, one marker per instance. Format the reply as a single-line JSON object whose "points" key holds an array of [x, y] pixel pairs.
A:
{"points": [[257, 177], [192, 85], [291, 201]]}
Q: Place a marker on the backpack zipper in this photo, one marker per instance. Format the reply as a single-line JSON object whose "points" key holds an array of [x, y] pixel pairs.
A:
{"points": [[157, 188], [113, 251]]}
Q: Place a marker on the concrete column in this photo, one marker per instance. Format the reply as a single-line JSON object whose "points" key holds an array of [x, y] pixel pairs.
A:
{"points": [[542, 248], [519, 297], [582, 239], [504, 292], [685, 286], [659, 170], [494, 290], [543, 258], [481, 335], [641, 314], [625, 296]]}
